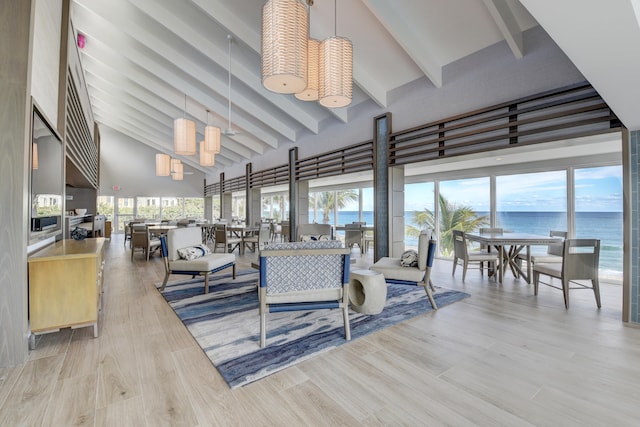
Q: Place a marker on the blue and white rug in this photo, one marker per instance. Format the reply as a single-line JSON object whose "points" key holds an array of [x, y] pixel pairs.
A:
{"points": [[226, 324]]}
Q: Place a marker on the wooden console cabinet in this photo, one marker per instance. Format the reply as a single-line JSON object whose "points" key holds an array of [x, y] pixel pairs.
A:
{"points": [[65, 285]]}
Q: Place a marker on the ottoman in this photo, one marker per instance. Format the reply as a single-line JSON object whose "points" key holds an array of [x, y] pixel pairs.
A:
{"points": [[367, 291]]}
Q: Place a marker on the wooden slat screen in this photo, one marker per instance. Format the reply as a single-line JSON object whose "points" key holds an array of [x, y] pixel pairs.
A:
{"points": [[268, 177], [355, 158], [80, 146], [212, 189], [571, 112], [234, 184]]}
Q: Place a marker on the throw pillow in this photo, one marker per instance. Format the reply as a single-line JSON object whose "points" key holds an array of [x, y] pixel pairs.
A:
{"points": [[193, 252], [409, 258], [313, 237]]}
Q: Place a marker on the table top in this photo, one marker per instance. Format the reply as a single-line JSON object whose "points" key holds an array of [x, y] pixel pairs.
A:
{"points": [[512, 238], [162, 227], [362, 227], [69, 248]]}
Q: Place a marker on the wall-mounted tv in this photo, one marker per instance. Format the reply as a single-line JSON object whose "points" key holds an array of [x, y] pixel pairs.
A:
{"points": [[47, 178]]}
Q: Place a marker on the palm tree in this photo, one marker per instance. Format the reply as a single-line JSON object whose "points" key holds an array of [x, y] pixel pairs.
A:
{"points": [[330, 200], [452, 217]]}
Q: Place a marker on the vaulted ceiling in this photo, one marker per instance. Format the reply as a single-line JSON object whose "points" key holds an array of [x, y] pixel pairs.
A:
{"points": [[147, 62]]}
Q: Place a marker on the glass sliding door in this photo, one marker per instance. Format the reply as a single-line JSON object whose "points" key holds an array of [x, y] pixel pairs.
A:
{"points": [[464, 204], [419, 211], [598, 214]]}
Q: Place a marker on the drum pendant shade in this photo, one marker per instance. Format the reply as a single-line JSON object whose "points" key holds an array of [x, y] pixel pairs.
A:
{"points": [[310, 93], [206, 157], [336, 72], [184, 137], [163, 166], [212, 139], [285, 34]]}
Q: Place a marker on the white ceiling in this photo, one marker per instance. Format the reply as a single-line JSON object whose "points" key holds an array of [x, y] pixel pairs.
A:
{"points": [[144, 59]]}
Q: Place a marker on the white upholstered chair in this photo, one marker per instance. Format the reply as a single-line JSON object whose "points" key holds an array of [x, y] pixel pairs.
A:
{"points": [[394, 272]]}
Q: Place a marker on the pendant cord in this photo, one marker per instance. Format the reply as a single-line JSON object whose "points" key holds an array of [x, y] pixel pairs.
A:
{"points": [[230, 38], [335, 18]]}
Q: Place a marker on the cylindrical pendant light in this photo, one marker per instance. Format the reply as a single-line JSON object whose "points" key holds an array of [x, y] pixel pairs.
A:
{"points": [[184, 134], [174, 162], [336, 69], [184, 137], [285, 34], [207, 158], [178, 173], [310, 93], [212, 139], [163, 166]]}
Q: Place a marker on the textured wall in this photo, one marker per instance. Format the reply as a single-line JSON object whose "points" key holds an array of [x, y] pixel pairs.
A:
{"points": [[634, 169]]}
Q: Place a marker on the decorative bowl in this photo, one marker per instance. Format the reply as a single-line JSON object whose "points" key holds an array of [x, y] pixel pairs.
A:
{"points": [[80, 211]]}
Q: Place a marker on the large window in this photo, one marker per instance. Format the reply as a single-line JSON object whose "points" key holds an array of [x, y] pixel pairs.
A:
{"points": [[275, 206], [418, 211], [106, 206], [149, 207], [533, 203]]}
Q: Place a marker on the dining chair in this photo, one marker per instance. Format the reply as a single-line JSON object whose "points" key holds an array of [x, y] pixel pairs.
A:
{"points": [[580, 261], [222, 239], [285, 227], [461, 254], [259, 240], [554, 251], [141, 239], [353, 236]]}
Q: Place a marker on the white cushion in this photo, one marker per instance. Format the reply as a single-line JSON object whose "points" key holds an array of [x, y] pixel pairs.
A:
{"points": [[205, 263], [183, 237], [550, 269], [392, 269]]}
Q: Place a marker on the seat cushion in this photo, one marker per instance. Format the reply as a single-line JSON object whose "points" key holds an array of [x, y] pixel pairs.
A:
{"points": [[205, 263], [550, 269], [392, 269]]}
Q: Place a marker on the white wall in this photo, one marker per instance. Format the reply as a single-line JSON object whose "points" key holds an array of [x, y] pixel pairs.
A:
{"points": [[130, 165], [46, 57]]}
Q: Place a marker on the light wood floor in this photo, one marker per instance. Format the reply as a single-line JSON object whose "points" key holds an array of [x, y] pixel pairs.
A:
{"points": [[500, 358]]}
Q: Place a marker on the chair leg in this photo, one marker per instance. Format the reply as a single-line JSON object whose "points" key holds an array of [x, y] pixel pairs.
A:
{"points": [[596, 290], [234, 271], [263, 328], [347, 327], [464, 270], [536, 279], [455, 264], [565, 292], [206, 282], [430, 294], [164, 282]]}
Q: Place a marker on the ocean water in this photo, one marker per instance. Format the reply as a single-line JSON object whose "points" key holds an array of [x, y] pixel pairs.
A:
{"points": [[606, 226]]}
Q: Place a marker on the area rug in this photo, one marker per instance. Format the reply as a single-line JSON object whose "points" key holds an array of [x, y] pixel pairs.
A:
{"points": [[226, 324]]}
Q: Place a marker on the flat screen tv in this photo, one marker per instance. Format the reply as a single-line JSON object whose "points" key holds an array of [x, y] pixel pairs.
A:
{"points": [[47, 178]]}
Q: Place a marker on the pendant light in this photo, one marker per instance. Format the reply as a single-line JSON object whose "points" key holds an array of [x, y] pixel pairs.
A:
{"points": [[285, 34], [207, 158], [310, 93], [163, 167], [174, 163], [211, 138], [184, 134], [336, 69], [178, 172]]}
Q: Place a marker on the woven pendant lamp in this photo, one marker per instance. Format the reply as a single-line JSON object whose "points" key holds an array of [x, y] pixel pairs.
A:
{"points": [[311, 92], [184, 134], [212, 139], [285, 34], [207, 157], [163, 166], [336, 69], [178, 172]]}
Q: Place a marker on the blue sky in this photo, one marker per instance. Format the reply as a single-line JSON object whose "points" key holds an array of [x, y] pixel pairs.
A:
{"points": [[596, 190]]}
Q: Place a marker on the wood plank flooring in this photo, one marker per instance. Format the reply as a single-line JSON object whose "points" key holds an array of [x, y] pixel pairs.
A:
{"points": [[500, 358]]}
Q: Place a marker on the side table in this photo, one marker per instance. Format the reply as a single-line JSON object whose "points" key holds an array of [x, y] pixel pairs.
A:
{"points": [[367, 291]]}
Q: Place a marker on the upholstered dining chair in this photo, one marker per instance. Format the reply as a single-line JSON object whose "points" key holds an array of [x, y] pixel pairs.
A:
{"points": [[223, 240], [353, 236], [554, 251], [141, 238], [259, 240], [461, 254], [580, 261]]}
